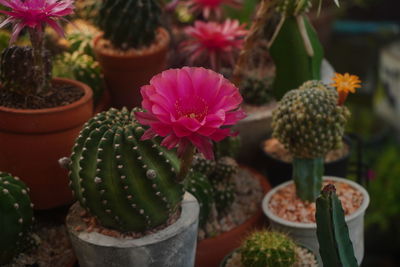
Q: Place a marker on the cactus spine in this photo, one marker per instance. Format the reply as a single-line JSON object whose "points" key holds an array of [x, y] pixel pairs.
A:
{"points": [[126, 183], [295, 47], [335, 245], [16, 216], [309, 123], [264, 249], [18, 72], [130, 24]]}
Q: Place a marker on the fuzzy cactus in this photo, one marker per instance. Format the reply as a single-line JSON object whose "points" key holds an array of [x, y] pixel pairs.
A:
{"points": [[130, 24], [18, 72], [16, 217], [335, 245], [126, 183], [256, 91], [80, 37], [82, 68], [264, 249], [309, 123], [295, 47], [199, 186]]}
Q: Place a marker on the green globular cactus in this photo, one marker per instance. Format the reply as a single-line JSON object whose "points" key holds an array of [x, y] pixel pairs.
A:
{"points": [[309, 123], [199, 186], [16, 217], [295, 47], [82, 68], [224, 169], [223, 194], [202, 165], [126, 183], [256, 91], [130, 23], [228, 147], [265, 249], [335, 246], [18, 72]]}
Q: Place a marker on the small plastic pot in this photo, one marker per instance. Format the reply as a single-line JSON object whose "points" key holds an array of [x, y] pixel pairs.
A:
{"points": [[279, 171]]}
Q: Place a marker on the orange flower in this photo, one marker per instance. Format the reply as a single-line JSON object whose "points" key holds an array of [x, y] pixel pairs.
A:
{"points": [[344, 84]]}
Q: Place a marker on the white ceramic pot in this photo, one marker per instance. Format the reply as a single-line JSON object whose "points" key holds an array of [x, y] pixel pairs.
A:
{"points": [[173, 246], [306, 233]]}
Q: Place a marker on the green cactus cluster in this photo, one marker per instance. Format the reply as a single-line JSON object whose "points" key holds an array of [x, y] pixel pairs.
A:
{"points": [[256, 91], [309, 123], [335, 246], [211, 182], [80, 37], [87, 9], [83, 68], [130, 24], [16, 217], [18, 73], [126, 183], [265, 249]]}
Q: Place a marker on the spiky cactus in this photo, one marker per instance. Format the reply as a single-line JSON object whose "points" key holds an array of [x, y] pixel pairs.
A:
{"points": [[18, 72], [294, 47], [80, 37], [130, 24], [335, 245], [256, 91], [202, 165], [82, 68], [87, 9], [199, 186], [265, 249], [225, 168], [309, 123], [126, 183], [16, 217]]}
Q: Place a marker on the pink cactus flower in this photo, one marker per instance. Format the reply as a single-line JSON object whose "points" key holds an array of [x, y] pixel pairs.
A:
{"points": [[213, 43], [35, 13], [211, 7], [190, 106]]}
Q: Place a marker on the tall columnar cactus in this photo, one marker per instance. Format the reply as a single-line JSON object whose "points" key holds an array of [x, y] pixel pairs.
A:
{"points": [[16, 217], [295, 47], [309, 123], [199, 186], [126, 183], [18, 72], [335, 245], [130, 24], [264, 249]]}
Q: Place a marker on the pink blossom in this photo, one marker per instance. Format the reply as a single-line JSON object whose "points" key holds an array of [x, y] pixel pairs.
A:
{"points": [[190, 106], [35, 13], [214, 42], [208, 7]]}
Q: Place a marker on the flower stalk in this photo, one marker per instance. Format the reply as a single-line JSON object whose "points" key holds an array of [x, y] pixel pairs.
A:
{"points": [[37, 41], [186, 162]]}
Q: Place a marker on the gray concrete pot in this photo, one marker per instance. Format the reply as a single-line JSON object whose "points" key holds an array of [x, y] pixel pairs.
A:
{"points": [[256, 127], [174, 246], [306, 233]]}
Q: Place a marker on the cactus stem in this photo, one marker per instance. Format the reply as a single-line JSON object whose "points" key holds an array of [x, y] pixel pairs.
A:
{"points": [[307, 175], [186, 162]]}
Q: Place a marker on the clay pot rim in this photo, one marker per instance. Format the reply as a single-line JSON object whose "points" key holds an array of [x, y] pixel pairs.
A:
{"points": [[87, 96], [164, 41], [259, 213], [346, 139], [271, 216]]}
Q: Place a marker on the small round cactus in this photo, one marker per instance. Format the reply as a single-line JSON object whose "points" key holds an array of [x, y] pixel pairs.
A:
{"points": [[202, 165], [223, 193], [18, 73], [225, 168], [265, 249], [256, 91], [130, 24], [308, 122], [199, 186], [126, 183], [16, 217]]}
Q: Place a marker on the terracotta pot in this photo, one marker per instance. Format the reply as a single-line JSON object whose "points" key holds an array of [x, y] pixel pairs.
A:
{"points": [[32, 141], [126, 73], [211, 251]]}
